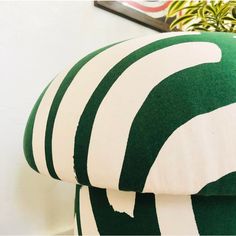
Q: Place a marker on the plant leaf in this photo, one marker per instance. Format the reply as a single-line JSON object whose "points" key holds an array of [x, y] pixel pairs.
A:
{"points": [[200, 29], [211, 9], [228, 18], [234, 12], [181, 20], [175, 7], [224, 10]]}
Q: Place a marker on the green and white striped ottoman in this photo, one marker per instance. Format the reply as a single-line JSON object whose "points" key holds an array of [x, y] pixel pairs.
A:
{"points": [[146, 129]]}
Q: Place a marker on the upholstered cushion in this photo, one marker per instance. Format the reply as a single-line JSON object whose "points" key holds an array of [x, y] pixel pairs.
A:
{"points": [[153, 114], [111, 212]]}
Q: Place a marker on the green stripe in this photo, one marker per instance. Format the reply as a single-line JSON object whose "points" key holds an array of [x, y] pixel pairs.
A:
{"points": [[56, 103], [175, 101], [215, 215], [28, 135], [225, 185], [77, 208], [84, 129], [111, 222]]}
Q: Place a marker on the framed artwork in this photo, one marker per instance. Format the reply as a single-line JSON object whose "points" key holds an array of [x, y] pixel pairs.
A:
{"points": [[150, 13]]}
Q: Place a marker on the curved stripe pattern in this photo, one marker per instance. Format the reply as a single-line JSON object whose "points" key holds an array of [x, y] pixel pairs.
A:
{"points": [[155, 114], [39, 129], [116, 114], [118, 110], [28, 135], [173, 102], [76, 97], [205, 151], [86, 121], [221, 186], [55, 104], [110, 222], [44, 137], [158, 214], [38, 139]]}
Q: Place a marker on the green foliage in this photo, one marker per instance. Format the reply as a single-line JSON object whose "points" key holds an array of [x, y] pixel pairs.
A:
{"points": [[203, 15]]}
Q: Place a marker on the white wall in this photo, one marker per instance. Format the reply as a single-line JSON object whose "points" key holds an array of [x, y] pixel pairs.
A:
{"points": [[37, 40]]}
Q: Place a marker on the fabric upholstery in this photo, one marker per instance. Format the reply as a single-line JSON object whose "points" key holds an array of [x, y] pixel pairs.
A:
{"points": [[153, 114], [146, 129], [111, 212]]}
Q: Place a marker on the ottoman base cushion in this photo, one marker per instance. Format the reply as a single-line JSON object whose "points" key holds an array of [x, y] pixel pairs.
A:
{"points": [[111, 212]]}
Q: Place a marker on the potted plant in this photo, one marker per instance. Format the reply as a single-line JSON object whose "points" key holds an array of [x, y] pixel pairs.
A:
{"points": [[203, 15]]}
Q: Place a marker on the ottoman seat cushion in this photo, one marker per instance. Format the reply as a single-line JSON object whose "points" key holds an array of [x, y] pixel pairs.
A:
{"points": [[152, 114]]}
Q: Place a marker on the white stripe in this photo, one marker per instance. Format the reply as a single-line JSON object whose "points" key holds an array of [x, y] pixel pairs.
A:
{"points": [[77, 96], [87, 220], [175, 215], [40, 123], [122, 201], [197, 153], [118, 109]]}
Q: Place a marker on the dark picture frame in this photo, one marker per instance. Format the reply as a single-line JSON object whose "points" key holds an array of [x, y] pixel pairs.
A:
{"points": [[120, 9]]}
